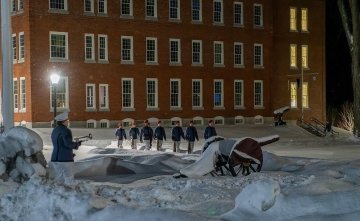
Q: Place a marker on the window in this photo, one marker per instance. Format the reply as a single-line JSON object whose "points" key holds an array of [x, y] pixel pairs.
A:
{"points": [[196, 10], [238, 14], [239, 93], [91, 124], [102, 6], [127, 49], [151, 50], [151, 8], [258, 55], [175, 93], [218, 94], [293, 94], [103, 47], [305, 95], [293, 22], [103, 96], [13, 6], [16, 95], [62, 94], [127, 93], [305, 56], [58, 4], [196, 52], [152, 93], [89, 47], [258, 15], [218, 11], [126, 8], [22, 95], [14, 48], [90, 96], [21, 5], [59, 45], [218, 120], [21, 47], [238, 54], [258, 94], [175, 51], [293, 56], [89, 6], [174, 9], [197, 93], [218, 53], [104, 123], [304, 19]]}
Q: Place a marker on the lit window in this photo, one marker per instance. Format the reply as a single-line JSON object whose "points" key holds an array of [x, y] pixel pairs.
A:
{"points": [[151, 50], [305, 95], [62, 94], [304, 19], [305, 56], [293, 56], [293, 19], [293, 94]]}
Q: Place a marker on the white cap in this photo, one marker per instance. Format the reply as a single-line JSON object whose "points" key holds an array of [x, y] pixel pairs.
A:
{"points": [[63, 116]]}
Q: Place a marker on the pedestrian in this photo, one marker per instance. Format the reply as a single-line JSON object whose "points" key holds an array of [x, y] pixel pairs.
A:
{"points": [[190, 135], [62, 157], [133, 134], [146, 135], [210, 130], [176, 134], [159, 136], [120, 134]]}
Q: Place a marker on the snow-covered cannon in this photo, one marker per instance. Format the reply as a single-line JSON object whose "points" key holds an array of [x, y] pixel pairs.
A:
{"points": [[234, 155], [278, 115]]}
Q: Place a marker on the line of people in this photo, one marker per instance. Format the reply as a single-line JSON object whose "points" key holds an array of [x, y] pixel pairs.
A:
{"points": [[146, 135]]}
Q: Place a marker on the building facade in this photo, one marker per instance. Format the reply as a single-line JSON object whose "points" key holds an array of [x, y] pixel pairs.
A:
{"points": [[229, 60]]}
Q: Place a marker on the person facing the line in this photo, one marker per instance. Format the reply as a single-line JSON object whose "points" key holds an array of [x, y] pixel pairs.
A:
{"points": [[190, 135], [146, 135], [62, 157], [133, 134], [159, 136], [176, 134], [210, 130], [120, 134]]}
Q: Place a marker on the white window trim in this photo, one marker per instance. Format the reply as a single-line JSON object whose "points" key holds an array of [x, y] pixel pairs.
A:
{"points": [[93, 86], [106, 97], [201, 105], [92, 7], [105, 8], [221, 106], [20, 59], [131, 94], [155, 11], [192, 53], [261, 16], [200, 13], [262, 94], [261, 58], [16, 95], [131, 9], [131, 61], [242, 14], [104, 121], [222, 13], [92, 47], [178, 53], [179, 94], [156, 94], [178, 12], [91, 121], [106, 59], [222, 54], [21, 94], [54, 59], [156, 51], [56, 9], [242, 94], [242, 54]]}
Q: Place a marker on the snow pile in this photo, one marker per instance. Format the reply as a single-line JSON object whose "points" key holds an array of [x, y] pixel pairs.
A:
{"points": [[21, 154]]}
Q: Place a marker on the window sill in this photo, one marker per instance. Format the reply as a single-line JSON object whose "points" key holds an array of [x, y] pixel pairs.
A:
{"points": [[128, 109], [101, 14], [219, 65], [258, 27], [90, 110], [103, 61], [218, 24], [151, 63], [197, 108], [127, 62], [239, 66], [176, 20], [152, 109], [218, 108], [127, 16], [259, 108], [239, 26], [104, 109], [294, 68], [58, 60], [89, 14], [258, 67], [176, 108], [90, 61], [21, 61], [151, 19], [22, 110], [239, 108], [196, 22], [175, 64], [58, 11], [197, 65]]}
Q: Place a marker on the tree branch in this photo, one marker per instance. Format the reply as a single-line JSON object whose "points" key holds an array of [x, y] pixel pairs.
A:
{"points": [[345, 19]]}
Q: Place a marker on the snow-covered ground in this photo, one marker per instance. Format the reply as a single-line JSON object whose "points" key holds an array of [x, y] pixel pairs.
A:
{"points": [[304, 177]]}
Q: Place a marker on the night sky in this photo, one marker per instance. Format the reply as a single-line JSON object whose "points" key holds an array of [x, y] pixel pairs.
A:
{"points": [[338, 59]]}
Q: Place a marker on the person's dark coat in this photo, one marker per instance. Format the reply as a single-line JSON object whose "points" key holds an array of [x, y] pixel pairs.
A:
{"points": [[120, 133], [134, 133], [191, 134], [209, 132], [146, 133], [160, 133], [63, 143], [177, 133]]}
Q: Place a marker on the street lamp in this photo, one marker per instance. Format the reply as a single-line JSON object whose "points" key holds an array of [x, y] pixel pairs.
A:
{"points": [[54, 81]]}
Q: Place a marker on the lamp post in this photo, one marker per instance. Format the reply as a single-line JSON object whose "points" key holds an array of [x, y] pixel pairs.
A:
{"points": [[54, 81]]}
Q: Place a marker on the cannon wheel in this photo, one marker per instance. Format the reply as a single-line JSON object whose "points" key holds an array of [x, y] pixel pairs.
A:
{"points": [[246, 167]]}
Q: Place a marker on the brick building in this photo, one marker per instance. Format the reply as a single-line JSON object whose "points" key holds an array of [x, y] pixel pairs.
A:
{"points": [[234, 61]]}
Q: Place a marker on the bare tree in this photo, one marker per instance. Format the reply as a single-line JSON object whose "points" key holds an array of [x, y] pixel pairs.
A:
{"points": [[346, 116], [350, 16]]}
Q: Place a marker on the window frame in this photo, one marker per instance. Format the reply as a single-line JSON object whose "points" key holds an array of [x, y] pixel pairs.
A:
{"points": [[131, 50], [237, 16], [66, 94], [99, 7], [105, 48], [103, 98], [154, 8], [221, 22], [293, 94], [293, 19], [238, 94], [14, 48], [155, 51], [22, 92], [177, 94], [304, 20], [91, 6], [193, 52], [198, 12], [21, 47], [65, 2], [261, 105], [128, 13], [305, 57], [177, 53], [293, 56], [92, 48], [305, 96], [241, 64], [16, 95], [200, 94], [92, 97], [130, 94], [260, 16], [66, 46], [215, 94], [261, 65], [154, 95], [178, 17], [221, 43]]}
